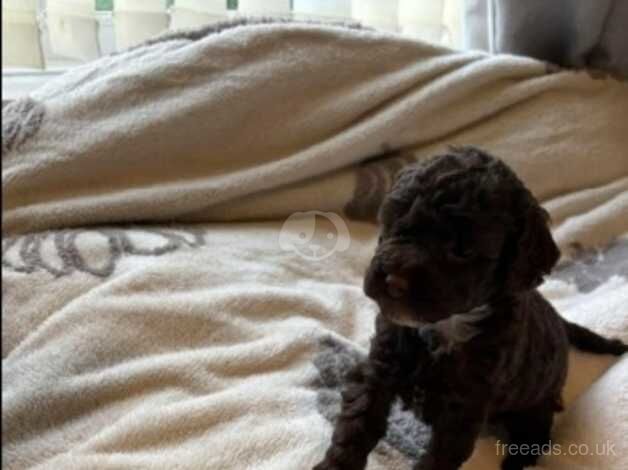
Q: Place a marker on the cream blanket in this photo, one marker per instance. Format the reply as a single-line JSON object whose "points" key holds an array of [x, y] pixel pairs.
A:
{"points": [[222, 345]]}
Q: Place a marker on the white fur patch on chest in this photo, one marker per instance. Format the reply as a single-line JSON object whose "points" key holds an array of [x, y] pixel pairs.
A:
{"points": [[457, 329]]}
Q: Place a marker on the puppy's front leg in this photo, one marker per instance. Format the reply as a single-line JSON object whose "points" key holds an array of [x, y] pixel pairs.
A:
{"points": [[455, 428], [366, 402]]}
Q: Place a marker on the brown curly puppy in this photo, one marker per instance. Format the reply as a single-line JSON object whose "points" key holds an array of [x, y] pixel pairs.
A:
{"points": [[463, 337]]}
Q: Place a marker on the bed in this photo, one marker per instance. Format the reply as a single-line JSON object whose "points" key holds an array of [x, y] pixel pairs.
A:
{"points": [[186, 225]]}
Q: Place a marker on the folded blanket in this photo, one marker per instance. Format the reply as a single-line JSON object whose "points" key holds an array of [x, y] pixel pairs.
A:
{"points": [[134, 339], [235, 121]]}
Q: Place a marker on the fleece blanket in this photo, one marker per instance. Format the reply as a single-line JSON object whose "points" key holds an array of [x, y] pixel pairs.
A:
{"points": [[186, 226]]}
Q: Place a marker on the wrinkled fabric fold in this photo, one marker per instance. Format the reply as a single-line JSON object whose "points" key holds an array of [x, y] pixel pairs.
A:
{"points": [[201, 127]]}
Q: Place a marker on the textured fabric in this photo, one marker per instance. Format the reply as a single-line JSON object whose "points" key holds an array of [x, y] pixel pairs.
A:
{"points": [[250, 121], [213, 347], [222, 344]]}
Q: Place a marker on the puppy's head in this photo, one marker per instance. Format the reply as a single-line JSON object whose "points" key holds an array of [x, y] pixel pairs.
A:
{"points": [[457, 231]]}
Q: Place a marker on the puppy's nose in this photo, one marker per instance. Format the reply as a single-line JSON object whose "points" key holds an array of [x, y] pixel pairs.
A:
{"points": [[396, 286]]}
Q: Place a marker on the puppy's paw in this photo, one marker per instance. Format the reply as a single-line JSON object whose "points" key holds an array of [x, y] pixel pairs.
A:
{"points": [[514, 463], [326, 465], [330, 463], [618, 347]]}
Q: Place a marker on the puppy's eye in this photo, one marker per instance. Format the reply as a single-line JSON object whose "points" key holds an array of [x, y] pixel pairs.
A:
{"points": [[462, 253], [406, 233], [396, 286], [460, 244], [460, 250]]}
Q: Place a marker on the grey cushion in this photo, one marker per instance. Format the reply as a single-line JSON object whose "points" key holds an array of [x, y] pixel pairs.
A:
{"points": [[611, 52], [571, 33]]}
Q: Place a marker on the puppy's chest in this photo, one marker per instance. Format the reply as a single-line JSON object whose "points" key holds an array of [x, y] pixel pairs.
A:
{"points": [[455, 334], [457, 376], [464, 366]]}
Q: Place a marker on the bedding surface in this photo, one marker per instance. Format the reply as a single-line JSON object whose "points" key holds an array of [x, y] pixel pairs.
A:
{"points": [[187, 224]]}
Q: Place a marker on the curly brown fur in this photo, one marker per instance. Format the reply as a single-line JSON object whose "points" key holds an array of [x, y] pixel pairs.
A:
{"points": [[463, 337]]}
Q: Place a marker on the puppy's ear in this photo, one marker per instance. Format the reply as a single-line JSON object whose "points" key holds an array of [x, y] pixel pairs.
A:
{"points": [[536, 253]]}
